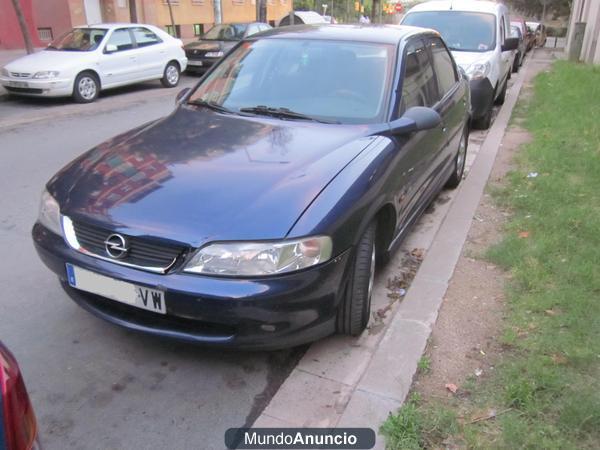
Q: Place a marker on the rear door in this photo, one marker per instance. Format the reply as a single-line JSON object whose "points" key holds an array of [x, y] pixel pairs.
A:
{"points": [[418, 87], [151, 53], [451, 105], [120, 66]]}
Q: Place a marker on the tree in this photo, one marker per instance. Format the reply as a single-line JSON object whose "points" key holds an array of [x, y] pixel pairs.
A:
{"points": [[23, 25], [537, 7], [172, 19]]}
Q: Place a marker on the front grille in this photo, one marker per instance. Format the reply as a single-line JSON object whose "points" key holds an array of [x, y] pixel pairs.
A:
{"points": [[194, 54], [142, 253], [20, 75], [23, 90]]}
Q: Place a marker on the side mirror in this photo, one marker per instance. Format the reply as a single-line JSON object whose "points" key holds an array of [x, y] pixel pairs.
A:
{"points": [[417, 118], [111, 48], [510, 44], [181, 94]]}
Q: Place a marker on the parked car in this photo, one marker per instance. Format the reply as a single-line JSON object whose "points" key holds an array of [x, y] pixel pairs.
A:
{"points": [[88, 59], [539, 33], [221, 38], [478, 34], [18, 427], [252, 216], [302, 18], [528, 35], [515, 32]]}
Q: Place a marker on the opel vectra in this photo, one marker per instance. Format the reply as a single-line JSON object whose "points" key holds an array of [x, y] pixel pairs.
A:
{"points": [[253, 215]]}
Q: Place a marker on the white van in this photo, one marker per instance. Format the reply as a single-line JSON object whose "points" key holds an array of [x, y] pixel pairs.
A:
{"points": [[478, 35]]}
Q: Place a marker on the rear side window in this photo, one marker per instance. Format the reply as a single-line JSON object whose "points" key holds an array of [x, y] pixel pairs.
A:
{"points": [[419, 85], [144, 37], [443, 65]]}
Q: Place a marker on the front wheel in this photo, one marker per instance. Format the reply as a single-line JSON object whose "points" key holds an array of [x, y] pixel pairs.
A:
{"points": [[459, 162], [502, 96], [171, 75], [86, 88], [355, 307]]}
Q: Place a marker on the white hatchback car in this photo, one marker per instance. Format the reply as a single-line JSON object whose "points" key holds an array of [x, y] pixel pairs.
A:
{"points": [[91, 58]]}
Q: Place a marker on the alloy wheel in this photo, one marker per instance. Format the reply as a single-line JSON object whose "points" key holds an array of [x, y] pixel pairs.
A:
{"points": [[87, 88]]}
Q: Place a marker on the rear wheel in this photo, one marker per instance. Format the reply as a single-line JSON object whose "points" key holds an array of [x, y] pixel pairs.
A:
{"points": [[459, 162], [484, 122], [516, 63], [355, 308], [171, 75], [86, 88]]}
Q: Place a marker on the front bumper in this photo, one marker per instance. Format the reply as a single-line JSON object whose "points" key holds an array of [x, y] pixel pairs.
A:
{"points": [[38, 88], [200, 64], [482, 97], [267, 313]]}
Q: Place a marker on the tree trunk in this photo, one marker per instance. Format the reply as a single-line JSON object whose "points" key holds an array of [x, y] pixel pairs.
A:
{"points": [[133, 11], [172, 19], [23, 26]]}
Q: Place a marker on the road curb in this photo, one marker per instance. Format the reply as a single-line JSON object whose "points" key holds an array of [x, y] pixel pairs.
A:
{"points": [[357, 382]]}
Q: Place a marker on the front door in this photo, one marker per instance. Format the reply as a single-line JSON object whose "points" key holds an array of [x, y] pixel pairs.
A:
{"points": [[93, 13], [118, 63]]}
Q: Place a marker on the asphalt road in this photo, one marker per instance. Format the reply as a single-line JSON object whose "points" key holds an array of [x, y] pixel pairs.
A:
{"points": [[94, 385]]}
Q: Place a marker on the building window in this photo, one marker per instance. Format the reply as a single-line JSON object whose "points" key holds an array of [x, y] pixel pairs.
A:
{"points": [[198, 29], [122, 3], [174, 33], [198, 2], [45, 34], [172, 2], [238, 2]]}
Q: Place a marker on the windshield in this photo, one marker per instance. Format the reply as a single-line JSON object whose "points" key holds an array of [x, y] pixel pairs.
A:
{"points": [[327, 80], [462, 31], [79, 40], [226, 32]]}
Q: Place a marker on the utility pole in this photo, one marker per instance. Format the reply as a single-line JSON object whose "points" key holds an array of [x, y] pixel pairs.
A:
{"points": [[217, 11], [23, 25], [261, 10], [172, 19]]}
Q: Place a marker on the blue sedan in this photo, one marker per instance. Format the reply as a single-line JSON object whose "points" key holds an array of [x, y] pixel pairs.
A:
{"points": [[253, 215]]}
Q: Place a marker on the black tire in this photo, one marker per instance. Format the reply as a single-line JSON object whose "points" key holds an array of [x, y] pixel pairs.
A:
{"points": [[459, 162], [483, 122], [171, 75], [355, 307], [502, 96], [86, 87], [516, 63]]}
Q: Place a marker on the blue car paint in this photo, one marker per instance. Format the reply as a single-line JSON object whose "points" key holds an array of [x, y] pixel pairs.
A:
{"points": [[272, 179]]}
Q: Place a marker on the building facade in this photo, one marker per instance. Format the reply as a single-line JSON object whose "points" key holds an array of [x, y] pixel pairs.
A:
{"points": [[10, 31], [51, 18], [585, 12]]}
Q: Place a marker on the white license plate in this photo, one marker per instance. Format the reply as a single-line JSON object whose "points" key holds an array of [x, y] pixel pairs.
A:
{"points": [[18, 84], [194, 63], [121, 291]]}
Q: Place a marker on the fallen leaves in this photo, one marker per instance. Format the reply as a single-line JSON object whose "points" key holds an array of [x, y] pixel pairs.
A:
{"points": [[451, 387], [523, 234]]}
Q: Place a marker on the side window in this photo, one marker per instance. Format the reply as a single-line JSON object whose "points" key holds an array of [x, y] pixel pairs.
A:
{"points": [[144, 37], [419, 83], [443, 65], [121, 38]]}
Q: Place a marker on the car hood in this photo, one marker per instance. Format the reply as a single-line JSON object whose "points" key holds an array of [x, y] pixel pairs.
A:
{"points": [[210, 45], [198, 176], [47, 60], [465, 59]]}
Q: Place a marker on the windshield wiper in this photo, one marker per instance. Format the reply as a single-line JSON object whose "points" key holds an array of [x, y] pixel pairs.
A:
{"points": [[210, 104], [283, 113]]}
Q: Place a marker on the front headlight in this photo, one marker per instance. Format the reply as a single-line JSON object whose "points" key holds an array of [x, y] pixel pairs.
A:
{"points": [[478, 71], [49, 214], [46, 74], [213, 54], [252, 259]]}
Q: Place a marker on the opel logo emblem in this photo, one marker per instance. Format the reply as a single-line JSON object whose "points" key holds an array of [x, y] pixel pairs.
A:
{"points": [[116, 246]]}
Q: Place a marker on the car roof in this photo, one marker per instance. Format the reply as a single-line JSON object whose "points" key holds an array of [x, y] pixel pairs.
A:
{"points": [[458, 5], [382, 34], [111, 25]]}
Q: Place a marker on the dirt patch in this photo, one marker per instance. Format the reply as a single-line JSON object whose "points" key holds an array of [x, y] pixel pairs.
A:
{"points": [[464, 342]]}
